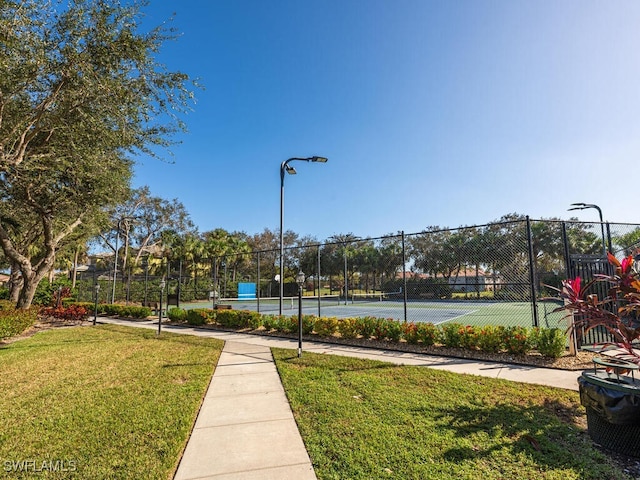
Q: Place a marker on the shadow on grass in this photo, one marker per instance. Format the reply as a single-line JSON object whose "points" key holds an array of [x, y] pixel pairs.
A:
{"points": [[551, 433]]}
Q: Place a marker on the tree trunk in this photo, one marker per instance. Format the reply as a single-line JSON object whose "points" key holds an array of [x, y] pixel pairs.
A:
{"points": [[15, 283], [74, 273], [27, 293]]}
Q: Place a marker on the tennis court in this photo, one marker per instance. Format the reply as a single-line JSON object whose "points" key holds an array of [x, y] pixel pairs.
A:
{"points": [[433, 311]]}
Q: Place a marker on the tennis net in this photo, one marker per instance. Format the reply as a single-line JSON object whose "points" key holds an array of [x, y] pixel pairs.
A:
{"points": [[373, 297], [268, 304]]}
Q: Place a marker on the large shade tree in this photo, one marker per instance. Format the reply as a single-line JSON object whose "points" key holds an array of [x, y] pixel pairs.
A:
{"points": [[80, 92]]}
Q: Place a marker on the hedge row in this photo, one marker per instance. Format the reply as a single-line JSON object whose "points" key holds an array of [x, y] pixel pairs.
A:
{"points": [[14, 322], [549, 342], [115, 310]]}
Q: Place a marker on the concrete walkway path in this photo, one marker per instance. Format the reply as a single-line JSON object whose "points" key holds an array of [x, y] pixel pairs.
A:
{"points": [[246, 430]]}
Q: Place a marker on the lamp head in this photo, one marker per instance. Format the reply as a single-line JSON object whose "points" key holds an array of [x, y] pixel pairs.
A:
{"points": [[319, 159], [291, 170], [577, 206], [300, 278]]}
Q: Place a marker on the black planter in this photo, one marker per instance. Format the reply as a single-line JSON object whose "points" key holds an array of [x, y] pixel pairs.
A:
{"points": [[613, 410]]}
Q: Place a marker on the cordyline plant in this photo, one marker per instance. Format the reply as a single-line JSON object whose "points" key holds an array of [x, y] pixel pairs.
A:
{"points": [[623, 298]]}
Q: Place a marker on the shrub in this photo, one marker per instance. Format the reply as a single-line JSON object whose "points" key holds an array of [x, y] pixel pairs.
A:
{"points": [[388, 329], [287, 324], [326, 326], [427, 333], [199, 316], [73, 313], [269, 322], [469, 336], [366, 326], [451, 336], [46, 292], [176, 314], [517, 340], [490, 338], [550, 342], [348, 328], [410, 332], [14, 322], [112, 309], [249, 319], [308, 324], [228, 318]]}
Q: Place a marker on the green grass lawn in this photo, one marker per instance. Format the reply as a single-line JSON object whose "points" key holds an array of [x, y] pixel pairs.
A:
{"points": [[100, 402], [363, 419]]}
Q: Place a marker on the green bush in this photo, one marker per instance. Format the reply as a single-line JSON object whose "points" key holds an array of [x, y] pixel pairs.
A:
{"points": [[308, 324], [114, 310], [269, 322], [451, 335], [228, 318], [550, 342], [176, 314], [469, 337], [348, 328], [388, 329], [517, 340], [200, 316], [250, 319], [366, 326], [326, 326], [428, 333], [46, 292], [410, 332], [490, 338], [14, 322], [287, 324]]}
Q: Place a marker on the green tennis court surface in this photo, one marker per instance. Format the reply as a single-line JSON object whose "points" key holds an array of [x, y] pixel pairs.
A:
{"points": [[433, 311]]}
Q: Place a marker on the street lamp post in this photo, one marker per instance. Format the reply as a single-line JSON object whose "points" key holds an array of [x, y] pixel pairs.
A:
{"points": [[285, 167], [585, 206], [300, 282], [162, 285]]}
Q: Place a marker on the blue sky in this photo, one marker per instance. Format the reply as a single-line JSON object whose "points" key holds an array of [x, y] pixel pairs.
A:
{"points": [[440, 113]]}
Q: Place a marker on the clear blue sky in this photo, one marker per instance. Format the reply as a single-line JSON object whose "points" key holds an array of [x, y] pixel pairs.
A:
{"points": [[441, 113]]}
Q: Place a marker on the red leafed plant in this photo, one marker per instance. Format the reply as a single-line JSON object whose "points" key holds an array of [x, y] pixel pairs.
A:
{"points": [[74, 313], [618, 313]]}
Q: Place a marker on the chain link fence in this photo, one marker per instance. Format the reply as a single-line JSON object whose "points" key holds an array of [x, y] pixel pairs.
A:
{"points": [[500, 273]]}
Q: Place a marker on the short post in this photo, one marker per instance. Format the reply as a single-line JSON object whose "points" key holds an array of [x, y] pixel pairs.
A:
{"points": [[162, 285], [95, 310], [300, 282]]}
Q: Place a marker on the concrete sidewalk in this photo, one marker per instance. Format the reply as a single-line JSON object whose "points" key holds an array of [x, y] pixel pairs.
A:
{"points": [[245, 428]]}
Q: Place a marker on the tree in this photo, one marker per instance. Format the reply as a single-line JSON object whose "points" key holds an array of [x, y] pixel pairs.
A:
{"points": [[80, 92]]}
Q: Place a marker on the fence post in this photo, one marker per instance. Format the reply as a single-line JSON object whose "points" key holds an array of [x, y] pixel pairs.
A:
{"points": [[258, 280], [404, 276], [532, 275]]}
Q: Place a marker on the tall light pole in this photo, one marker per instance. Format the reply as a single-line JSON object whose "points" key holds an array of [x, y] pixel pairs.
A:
{"points": [[584, 206], [285, 167]]}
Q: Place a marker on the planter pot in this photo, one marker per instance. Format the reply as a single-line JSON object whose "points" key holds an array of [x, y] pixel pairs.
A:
{"points": [[613, 410]]}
